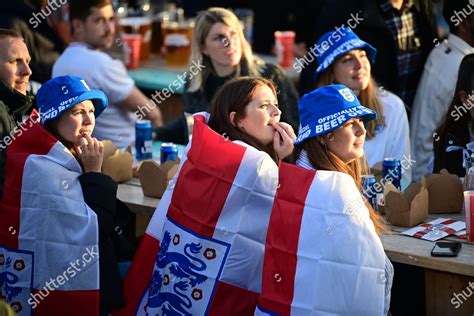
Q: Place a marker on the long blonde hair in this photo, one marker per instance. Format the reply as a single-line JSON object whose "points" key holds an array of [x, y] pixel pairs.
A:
{"points": [[367, 97], [204, 22], [322, 159]]}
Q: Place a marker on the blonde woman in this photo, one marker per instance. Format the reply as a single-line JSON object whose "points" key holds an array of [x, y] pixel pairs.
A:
{"points": [[220, 46], [347, 61]]}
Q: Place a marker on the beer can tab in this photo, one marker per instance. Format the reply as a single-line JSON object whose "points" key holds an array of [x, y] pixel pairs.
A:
{"points": [[380, 199]]}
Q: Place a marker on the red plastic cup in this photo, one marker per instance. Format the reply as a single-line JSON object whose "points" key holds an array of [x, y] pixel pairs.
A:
{"points": [[284, 44], [469, 209], [131, 50]]}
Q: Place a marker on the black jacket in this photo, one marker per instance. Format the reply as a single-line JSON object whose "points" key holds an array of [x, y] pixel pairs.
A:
{"points": [[453, 160], [43, 44], [374, 31], [13, 105], [113, 216]]}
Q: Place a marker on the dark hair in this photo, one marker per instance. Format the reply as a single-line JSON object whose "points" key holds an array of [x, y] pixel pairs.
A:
{"points": [[51, 126], [455, 126], [450, 7], [234, 96], [81, 9], [9, 33]]}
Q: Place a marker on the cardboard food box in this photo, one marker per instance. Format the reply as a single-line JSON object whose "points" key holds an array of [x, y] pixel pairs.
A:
{"points": [[154, 178], [445, 193], [376, 170], [117, 164], [406, 209]]}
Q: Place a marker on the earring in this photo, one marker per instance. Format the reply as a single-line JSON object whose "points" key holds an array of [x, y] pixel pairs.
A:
{"points": [[331, 138]]}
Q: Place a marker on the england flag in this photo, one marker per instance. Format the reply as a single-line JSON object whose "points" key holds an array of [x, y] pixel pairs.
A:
{"points": [[49, 262], [322, 254], [202, 253]]}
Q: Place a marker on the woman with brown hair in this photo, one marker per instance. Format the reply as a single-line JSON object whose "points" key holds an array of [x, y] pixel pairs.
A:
{"points": [[332, 139], [247, 110], [222, 193]]}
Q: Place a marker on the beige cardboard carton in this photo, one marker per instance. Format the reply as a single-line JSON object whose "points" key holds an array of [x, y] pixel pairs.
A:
{"points": [[446, 193], [154, 178], [406, 209], [376, 170], [116, 164]]}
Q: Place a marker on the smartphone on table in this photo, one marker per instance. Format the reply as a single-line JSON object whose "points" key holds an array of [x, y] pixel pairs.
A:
{"points": [[446, 249]]}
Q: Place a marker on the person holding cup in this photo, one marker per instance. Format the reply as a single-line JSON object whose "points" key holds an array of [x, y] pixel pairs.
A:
{"points": [[219, 45]]}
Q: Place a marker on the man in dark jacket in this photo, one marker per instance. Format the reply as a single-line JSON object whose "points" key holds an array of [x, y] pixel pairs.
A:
{"points": [[14, 99]]}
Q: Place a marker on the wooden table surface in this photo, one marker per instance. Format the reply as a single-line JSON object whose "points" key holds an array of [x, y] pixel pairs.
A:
{"points": [[131, 194], [417, 252]]}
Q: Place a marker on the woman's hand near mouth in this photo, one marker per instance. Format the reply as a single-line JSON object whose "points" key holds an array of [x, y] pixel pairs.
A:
{"points": [[283, 140], [91, 153]]}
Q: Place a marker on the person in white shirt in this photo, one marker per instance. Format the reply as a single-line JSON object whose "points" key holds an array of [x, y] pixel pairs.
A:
{"points": [[347, 61], [93, 29], [436, 88]]}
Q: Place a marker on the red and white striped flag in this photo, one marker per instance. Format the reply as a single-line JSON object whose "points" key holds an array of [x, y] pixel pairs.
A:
{"points": [[202, 253], [322, 254], [49, 262]]}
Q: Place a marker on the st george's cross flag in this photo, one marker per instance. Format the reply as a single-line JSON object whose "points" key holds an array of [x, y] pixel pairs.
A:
{"points": [[202, 253], [322, 254], [49, 262]]}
